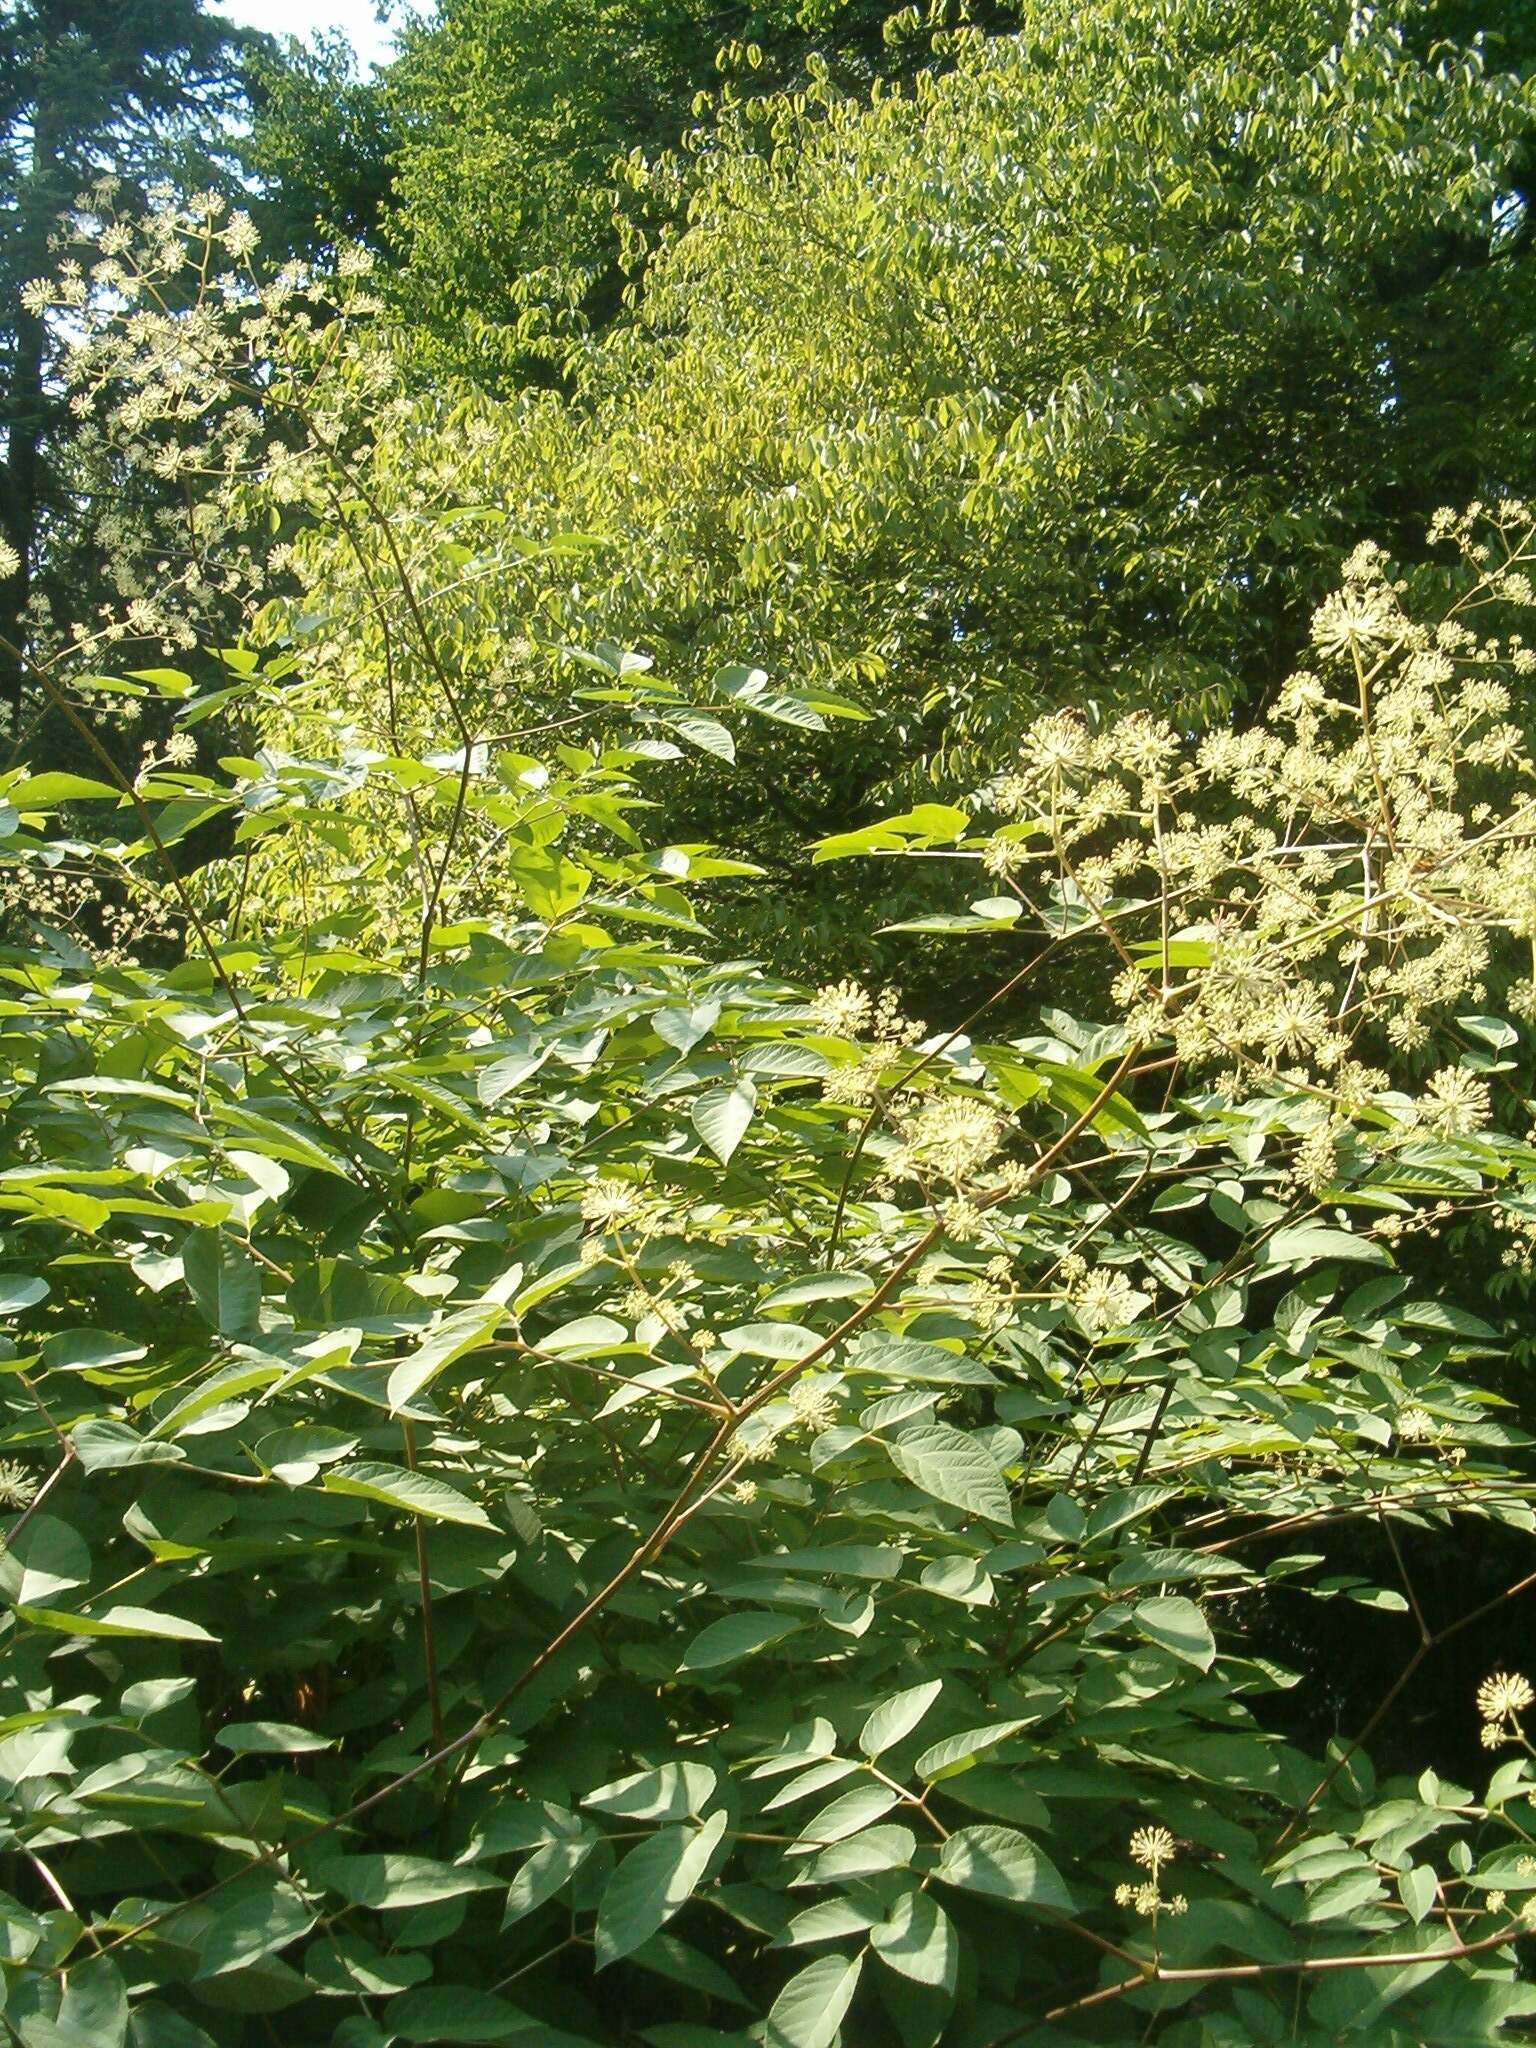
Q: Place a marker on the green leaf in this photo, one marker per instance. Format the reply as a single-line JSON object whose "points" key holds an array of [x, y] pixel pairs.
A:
{"points": [[1306, 1243], [671, 1792], [81, 1212], [393, 1882], [894, 1719], [829, 1920], [993, 914], [347, 1964], [735, 1636], [505, 1074], [19, 1291], [653, 1882], [227, 1384], [957, 1753], [119, 1621], [952, 1467], [1468, 2012], [93, 2012], [47, 792], [918, 1939], [1417, 1887], [44, 1558], [668, 1957], [552, 884], [1179, 1627], [453, 2012], [749, 688], [152, 2024], [846, 1816], [225, 1282], [682, 1027], [785, 1062], [586, 1337], [1004, 1865], [545, 1874], [707, 734], [251, 1926], [865, 1854], [171, 682], [271, 1738], [102, 1445], [457, 1334], [959, 1578], [787, 1341], [905, 1359], [414, 1493], [721, 1116], [841, 1560], [817, 1287], [1076, 1090], [89, 1351], [809, 2011], [924, 825]]}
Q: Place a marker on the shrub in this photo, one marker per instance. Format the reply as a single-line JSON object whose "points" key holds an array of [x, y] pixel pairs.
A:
{"points": [[564, 1491]]}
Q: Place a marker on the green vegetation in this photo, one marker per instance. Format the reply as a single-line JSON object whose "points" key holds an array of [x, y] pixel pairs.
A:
{"points": [[1065, 375], [578, 1466]]}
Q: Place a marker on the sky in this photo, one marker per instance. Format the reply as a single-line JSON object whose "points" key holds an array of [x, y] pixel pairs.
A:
{"points": [[302, 17]]}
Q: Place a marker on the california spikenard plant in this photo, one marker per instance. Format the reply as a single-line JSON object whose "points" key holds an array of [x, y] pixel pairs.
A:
{"points": [[561, 1492], [564, 1492]]}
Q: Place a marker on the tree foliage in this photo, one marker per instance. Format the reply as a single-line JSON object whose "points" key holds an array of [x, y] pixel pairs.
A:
{"points": [[318, 145], [1063, 374], [508, 117]]}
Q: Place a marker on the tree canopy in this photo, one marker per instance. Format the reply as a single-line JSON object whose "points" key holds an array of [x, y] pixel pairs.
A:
{"points": [[509, 116], [1063, 375]]}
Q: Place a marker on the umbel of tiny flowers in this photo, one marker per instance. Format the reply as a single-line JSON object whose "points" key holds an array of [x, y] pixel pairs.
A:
{"points": [[752, 1446], [609, 1204], [1415, 1425], [1152, 1848], [1501, 1700], [813, 1403], [18, 1489]]}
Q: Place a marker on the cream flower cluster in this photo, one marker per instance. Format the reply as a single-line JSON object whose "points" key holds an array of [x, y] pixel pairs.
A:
{"points": [[188, 365], [1306, 897], [1501, 1700], [1153, 1848]]}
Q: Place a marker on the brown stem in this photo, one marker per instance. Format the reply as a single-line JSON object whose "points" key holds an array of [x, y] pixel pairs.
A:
{"points": [[1158, 1973], [424, 1581]]}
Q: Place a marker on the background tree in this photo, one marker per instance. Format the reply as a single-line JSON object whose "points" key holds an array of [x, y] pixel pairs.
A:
{"points": [[901, 1456], [1060, 375], [508, 115], [319, 144], [136, 88]]}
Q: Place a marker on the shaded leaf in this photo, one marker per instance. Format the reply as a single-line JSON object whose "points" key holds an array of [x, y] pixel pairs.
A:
{"points": [[809, 2011], [653, 1882], [953, 1468], [1005, 1865]]}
